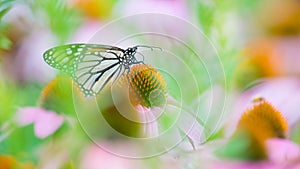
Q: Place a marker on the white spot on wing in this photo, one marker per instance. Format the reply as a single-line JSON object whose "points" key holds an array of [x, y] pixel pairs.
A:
{"points": [[65, 60]]}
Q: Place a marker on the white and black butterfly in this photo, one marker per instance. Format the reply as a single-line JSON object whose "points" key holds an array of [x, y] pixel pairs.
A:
{"points": [[92, 66]]}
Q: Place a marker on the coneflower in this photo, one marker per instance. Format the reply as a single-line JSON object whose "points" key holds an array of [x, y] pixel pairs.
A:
{"points": [[258, 124], [146, 86], [148, 94]]}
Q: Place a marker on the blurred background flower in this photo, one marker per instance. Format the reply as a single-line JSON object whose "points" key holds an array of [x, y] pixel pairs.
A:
{"points": [[45, 122]]}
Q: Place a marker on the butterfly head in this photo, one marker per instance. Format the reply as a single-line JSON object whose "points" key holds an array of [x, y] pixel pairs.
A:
{"points": [[130, 51], [129, 57]]}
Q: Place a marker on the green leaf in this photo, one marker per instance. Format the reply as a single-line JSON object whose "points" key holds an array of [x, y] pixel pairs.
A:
{"points": [[3, 12], [5, 43], [206, 16], [61, 19]]}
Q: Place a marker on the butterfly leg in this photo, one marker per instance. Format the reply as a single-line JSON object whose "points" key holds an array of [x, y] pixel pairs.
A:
{"points": [[128, 70], [127, 74], [142, 56], [140, 62]]}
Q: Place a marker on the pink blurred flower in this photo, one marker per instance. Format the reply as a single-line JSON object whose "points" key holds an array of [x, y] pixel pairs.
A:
{"points": [[170, 7], [95, 157], [244, 165], [85, 31], [281, 151], [158, 16], [288, 51], [282, 93], [45, 122], [281, 154], [185, 122], [24, 61]]}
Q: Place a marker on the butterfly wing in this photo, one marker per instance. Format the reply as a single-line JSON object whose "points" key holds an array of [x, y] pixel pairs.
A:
{"points": [[91, 66]]}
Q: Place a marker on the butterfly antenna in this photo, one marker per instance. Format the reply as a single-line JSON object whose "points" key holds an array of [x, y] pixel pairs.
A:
{"points": [[151, 47]]}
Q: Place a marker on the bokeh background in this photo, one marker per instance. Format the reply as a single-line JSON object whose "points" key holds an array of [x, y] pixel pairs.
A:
{"points": [[255, 54]]}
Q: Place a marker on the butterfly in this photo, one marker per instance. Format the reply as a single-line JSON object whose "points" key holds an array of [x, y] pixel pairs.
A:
{"points": [[93, 66]]}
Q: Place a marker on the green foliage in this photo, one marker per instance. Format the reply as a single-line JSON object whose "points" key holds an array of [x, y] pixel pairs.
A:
{"points": [[236, 148], [214, 18], [295, 133], [5, 6], [21, 143], [247, 5], [5, 43], [115, 110], [241, 147], [216, 135], [205, 14], [12, 97], [61, 19]]}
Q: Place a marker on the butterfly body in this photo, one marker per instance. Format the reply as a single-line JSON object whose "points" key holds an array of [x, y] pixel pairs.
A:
{"points": [[128, 58], [92, 66]]}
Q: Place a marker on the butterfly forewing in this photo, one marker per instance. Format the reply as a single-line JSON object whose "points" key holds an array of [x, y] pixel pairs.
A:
{"points": [[91, 66], [92, 78], [66, 57]]}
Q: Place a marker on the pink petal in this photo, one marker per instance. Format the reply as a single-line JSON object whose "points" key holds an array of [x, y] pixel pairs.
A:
{"points": [[244, 165], [27, 115], [189, 125], [46, 123], [149, 117], [173, 8], [282, 151], [96, 158]]}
